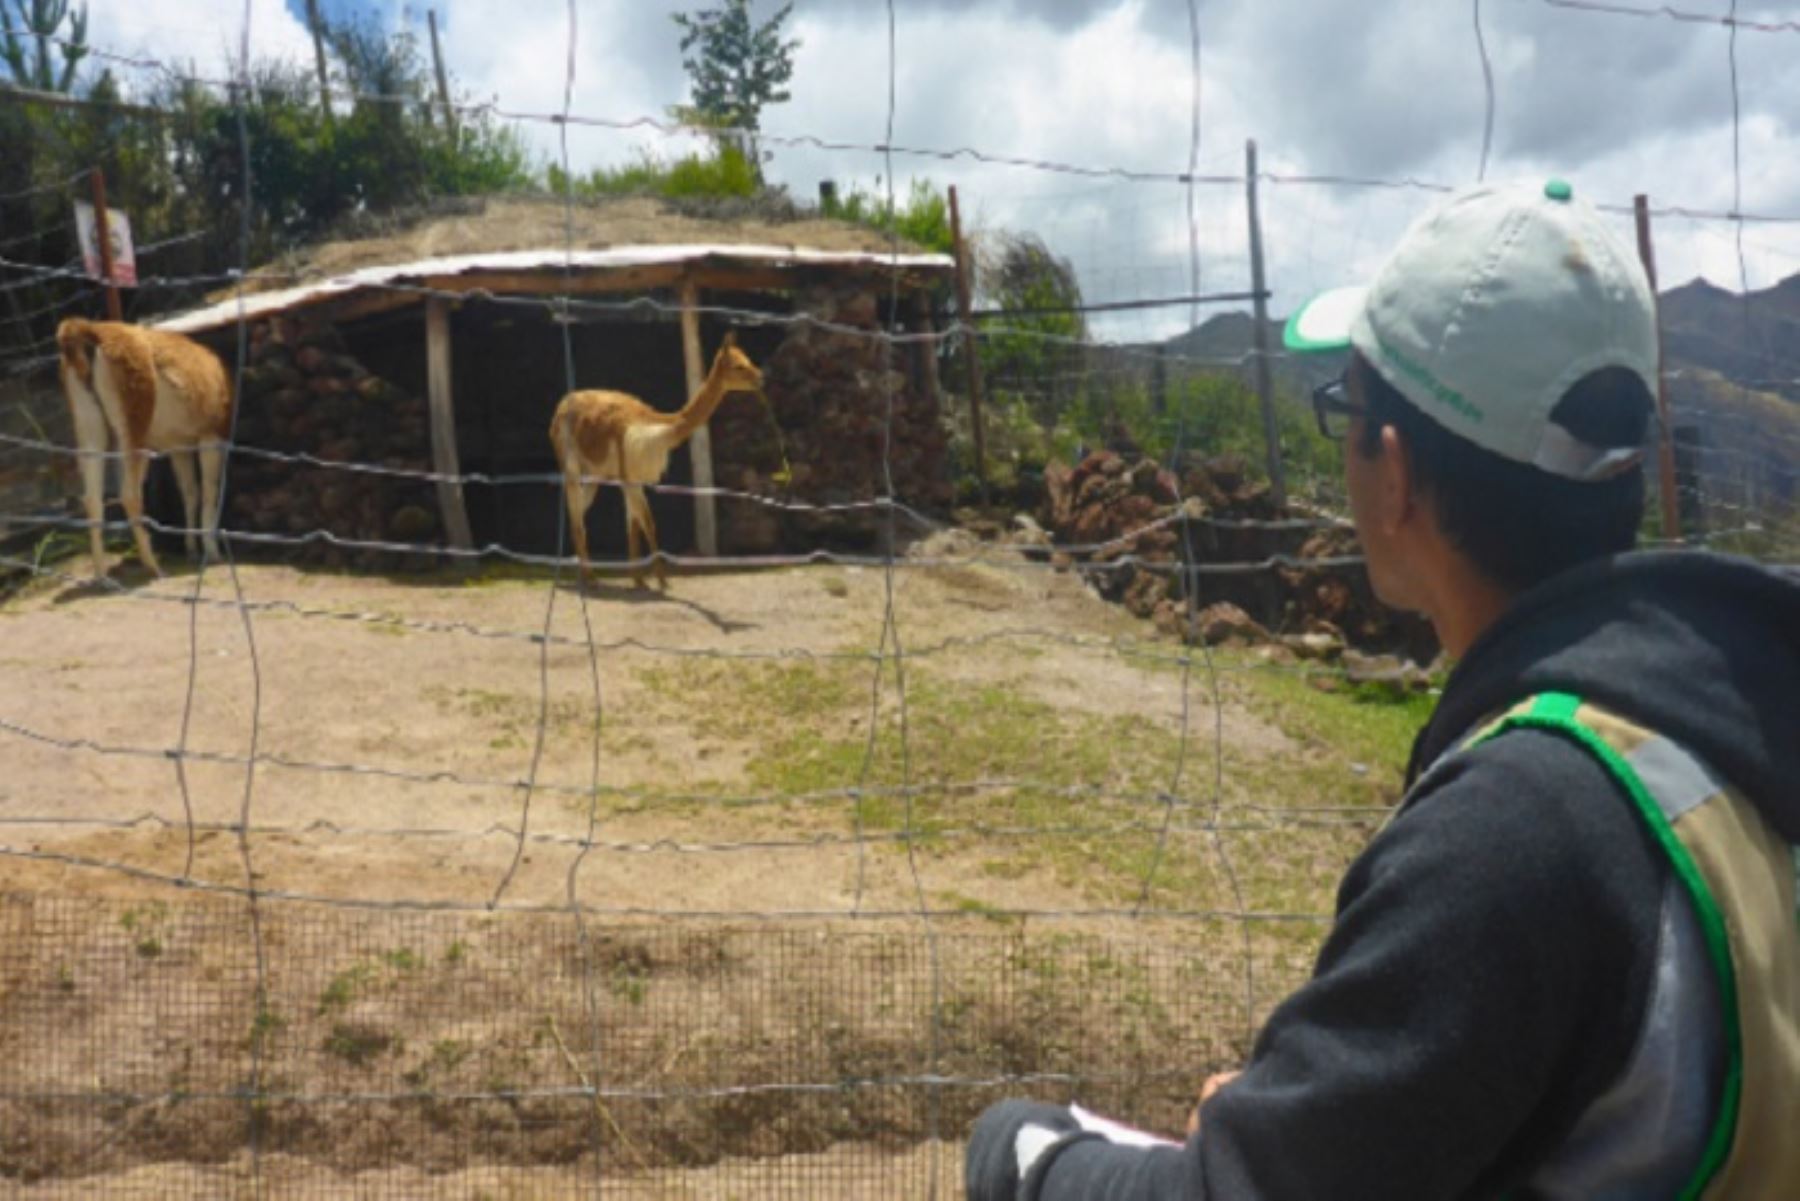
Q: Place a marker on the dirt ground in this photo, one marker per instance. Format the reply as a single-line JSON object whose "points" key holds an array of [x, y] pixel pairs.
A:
{"points": [[114, 670], [745, 962]]}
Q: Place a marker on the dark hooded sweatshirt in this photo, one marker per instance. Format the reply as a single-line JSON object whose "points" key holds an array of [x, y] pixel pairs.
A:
{"points": [[1486, 976]]}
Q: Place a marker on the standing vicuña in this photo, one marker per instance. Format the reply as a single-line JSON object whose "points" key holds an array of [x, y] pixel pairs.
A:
{"points": [[616, 436], [157, 391]]}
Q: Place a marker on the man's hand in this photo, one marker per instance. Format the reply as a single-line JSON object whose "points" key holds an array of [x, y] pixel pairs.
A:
{"points": [[1008, 1141], [1213, 1084]]}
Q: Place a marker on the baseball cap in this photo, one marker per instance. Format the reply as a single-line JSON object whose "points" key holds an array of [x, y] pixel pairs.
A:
{"points": [[1492, 306]]}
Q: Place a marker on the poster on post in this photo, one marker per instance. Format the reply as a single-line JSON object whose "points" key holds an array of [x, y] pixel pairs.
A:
{"points": [[118, 226]]}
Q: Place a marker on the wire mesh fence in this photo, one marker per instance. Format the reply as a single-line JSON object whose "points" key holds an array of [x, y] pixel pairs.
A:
{"points": [[432, 1054], [378, 865]]}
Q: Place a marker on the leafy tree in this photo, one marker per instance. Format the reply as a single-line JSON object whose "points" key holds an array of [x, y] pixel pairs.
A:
{"points": [[1036, 350], [181, 173], [40, 23], [736, 67]]}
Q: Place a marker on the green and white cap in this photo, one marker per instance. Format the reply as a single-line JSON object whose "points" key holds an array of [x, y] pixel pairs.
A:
{"points": [[1493, 305]]}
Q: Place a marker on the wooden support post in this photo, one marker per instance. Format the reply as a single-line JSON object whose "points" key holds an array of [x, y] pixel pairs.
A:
{"points": [[927, 347], [971, 344], [1665, 447], [706, 529], [444, 459], [437, 58], [1265, 387], [318, 39], [103, 240]]}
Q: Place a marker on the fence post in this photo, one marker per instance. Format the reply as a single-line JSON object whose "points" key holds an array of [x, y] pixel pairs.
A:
{"points": [[437, 58], [1265, 388], [1665, 447], [971, 344], [103, 240], [318, 40], [706, 521]]}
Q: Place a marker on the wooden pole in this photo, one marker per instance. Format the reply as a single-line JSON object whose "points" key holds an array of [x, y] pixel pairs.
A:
{"points": [[1159, 380], [437, 58], [971, 344], [1665, 447], [103, 239], [927, 346], [318, 39], [444, 459], [706, 528], [1265, 388]]}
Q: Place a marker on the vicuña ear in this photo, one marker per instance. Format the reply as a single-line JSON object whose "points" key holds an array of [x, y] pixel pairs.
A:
{"points": [[730, 342]]}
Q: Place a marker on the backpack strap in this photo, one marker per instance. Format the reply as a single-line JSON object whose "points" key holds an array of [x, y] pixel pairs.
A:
{"points": [[1662, 782]]}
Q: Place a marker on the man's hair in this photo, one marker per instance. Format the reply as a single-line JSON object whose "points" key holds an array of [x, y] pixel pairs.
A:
{"points": [[1516, 524]]}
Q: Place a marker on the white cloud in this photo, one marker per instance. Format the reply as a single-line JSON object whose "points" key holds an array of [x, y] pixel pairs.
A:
{"points": [[1618, 105], [203, 34]]}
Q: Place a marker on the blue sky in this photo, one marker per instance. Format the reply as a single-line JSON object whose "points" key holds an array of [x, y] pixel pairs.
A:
{"points": [[1392, 90]]}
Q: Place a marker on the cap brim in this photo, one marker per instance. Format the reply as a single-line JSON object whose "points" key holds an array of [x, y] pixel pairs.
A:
{"points": [[1323, 323]]}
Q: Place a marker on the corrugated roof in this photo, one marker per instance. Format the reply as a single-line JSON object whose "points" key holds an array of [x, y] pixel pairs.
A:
{"points": [[261, 304]]}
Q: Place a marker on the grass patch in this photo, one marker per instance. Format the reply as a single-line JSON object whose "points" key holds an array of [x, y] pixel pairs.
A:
{"points": [[1354, 741]]}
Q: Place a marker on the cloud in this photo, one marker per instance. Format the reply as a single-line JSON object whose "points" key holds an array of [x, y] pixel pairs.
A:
{"points": [[1619, 105], [204, 34]]}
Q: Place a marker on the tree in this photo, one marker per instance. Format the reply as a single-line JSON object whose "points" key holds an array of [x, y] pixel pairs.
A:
{"points": [[736, 68], [40, 22], [1038, 349]]}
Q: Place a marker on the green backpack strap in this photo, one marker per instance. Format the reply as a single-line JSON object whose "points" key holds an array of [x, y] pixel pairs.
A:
{"points": [[1555, 713]]}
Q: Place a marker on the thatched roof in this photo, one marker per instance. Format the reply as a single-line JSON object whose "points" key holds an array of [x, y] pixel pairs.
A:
{"points": [[534, 223], [524, 245]]}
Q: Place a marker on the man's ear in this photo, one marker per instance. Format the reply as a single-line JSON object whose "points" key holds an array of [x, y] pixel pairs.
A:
{"points": [[1398, 488]]}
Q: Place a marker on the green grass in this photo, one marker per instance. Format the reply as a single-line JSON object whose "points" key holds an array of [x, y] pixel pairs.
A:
{"points": [[805, 727], [1340, 730]]}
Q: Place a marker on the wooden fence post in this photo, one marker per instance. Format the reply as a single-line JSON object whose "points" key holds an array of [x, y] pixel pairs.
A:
{"points": [[103, 240], [1665, 447], [971, 344], [1265, 388], [443, 86]]}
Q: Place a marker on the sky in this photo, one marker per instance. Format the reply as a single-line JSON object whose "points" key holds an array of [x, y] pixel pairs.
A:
{"points": [[1392, 91]]}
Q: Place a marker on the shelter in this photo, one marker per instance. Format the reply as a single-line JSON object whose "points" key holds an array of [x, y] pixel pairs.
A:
{"points": [[465, 310]]}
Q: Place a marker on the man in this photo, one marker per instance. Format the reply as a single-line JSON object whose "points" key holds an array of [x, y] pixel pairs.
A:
{"points": [[1569, 967]]}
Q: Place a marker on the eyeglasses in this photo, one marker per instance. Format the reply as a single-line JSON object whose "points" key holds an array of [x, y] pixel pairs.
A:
{"points": [[1333, 409]]}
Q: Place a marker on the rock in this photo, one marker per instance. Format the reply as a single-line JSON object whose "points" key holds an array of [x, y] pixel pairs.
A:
{"points": [[1224, 622], [950, 543], [1168, 618], [1323, 647], [1389, 673], [1027, 532], [1144, 593]]}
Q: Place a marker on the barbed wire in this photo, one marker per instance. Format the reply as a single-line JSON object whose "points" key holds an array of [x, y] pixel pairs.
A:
{"points": [[1011, 559], [1275, 819], [671, 128], [60, 185], [909, 915], [1731, 20]]}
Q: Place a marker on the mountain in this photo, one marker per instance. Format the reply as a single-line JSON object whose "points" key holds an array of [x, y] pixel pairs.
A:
{"points": [[1733, 368]]}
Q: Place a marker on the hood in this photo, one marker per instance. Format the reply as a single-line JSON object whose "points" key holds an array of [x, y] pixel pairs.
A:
{"points": [[1701, 648]]}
